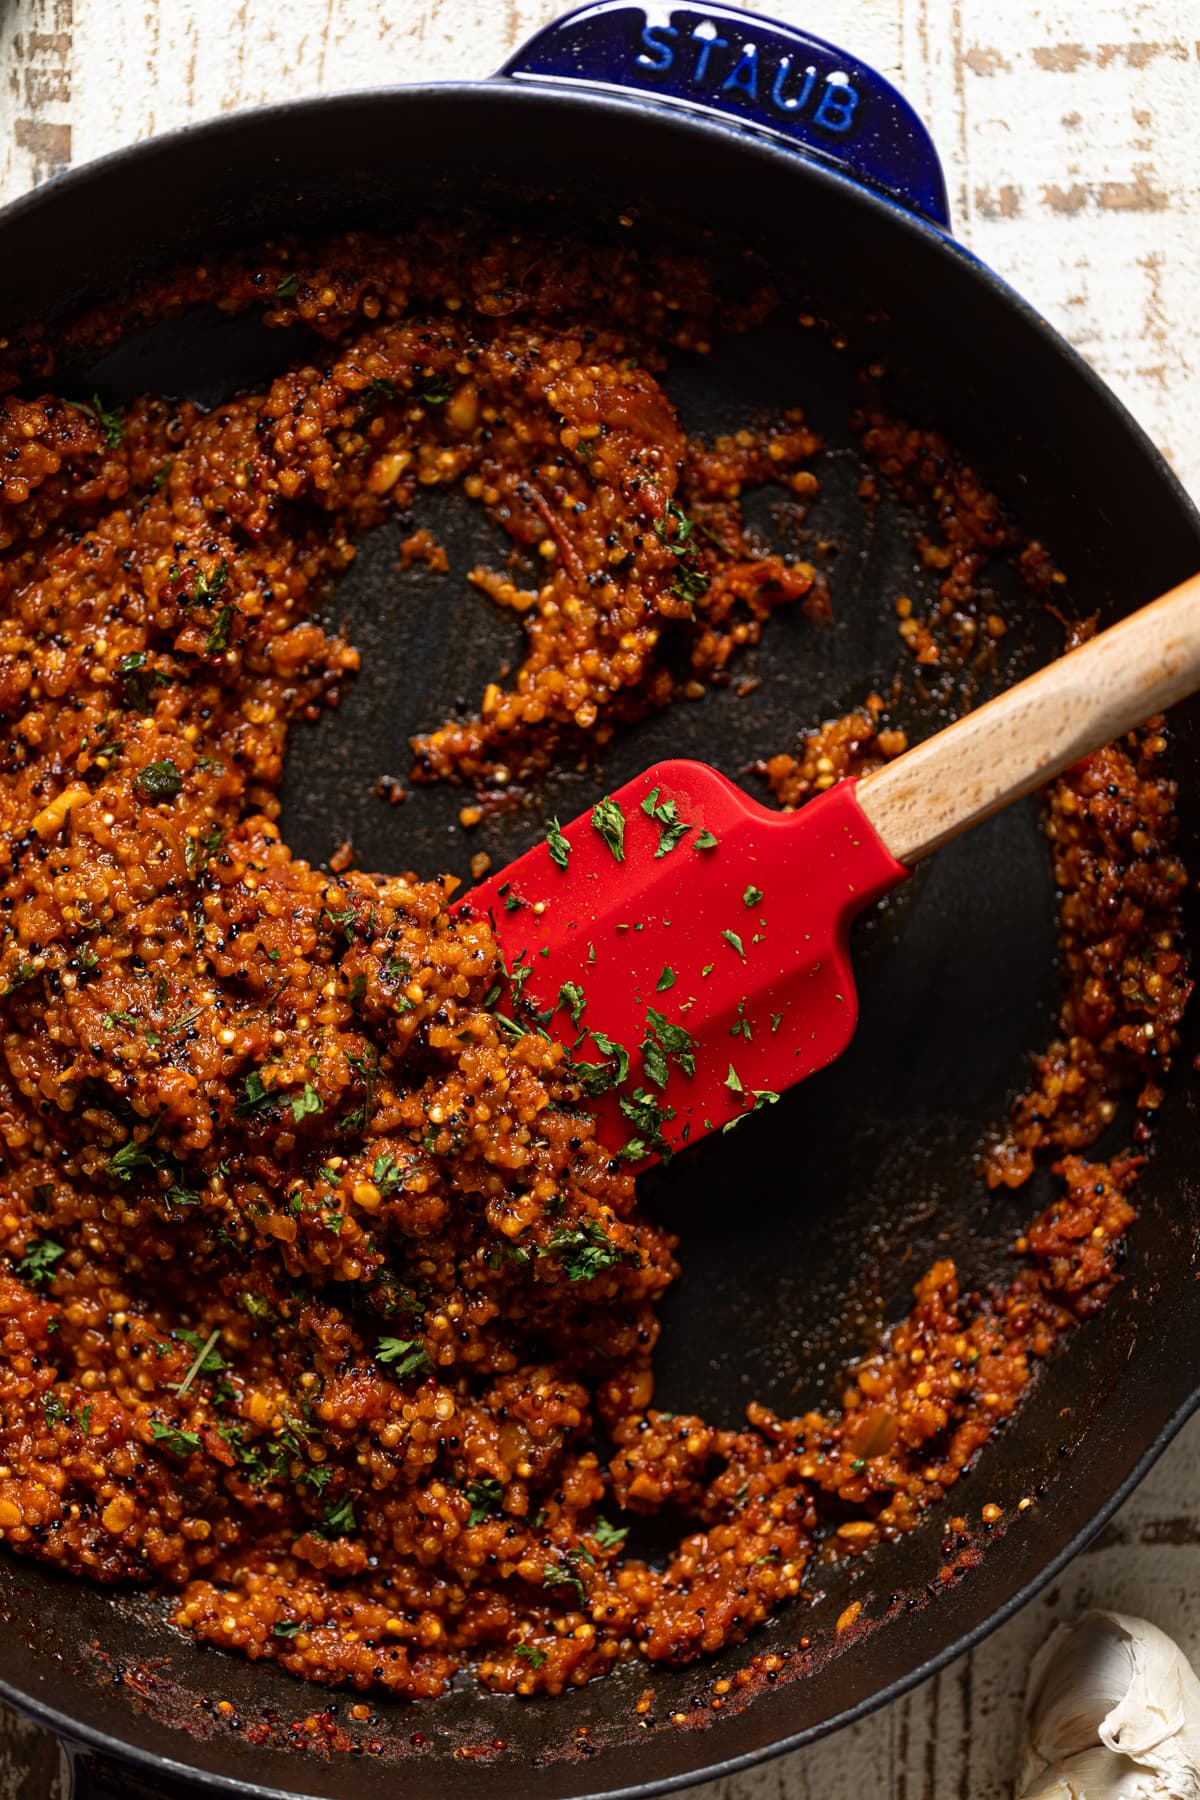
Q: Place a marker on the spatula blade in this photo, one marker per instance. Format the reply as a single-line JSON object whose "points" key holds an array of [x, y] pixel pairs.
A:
{"points": [[712, 950]]}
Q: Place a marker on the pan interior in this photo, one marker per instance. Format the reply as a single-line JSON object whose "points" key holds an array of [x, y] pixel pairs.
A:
{"points": [[861, 1177], [800, 1235]]}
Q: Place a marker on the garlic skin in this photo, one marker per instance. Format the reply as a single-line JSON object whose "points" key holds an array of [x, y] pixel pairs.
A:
{"points": [[1112, 1712]]}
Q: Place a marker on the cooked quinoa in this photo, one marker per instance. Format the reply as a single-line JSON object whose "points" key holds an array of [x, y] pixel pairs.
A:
{"points": [[321, 1307]]}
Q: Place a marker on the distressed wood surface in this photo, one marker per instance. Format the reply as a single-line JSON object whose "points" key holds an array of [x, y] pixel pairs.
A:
{"points": [[1068, 131]]}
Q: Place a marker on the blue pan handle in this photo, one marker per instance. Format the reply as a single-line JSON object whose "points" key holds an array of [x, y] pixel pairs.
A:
{"points": [[755, 72]]}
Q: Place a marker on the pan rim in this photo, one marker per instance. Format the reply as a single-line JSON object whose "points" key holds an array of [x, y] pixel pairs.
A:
{"points": [[754, 146]]}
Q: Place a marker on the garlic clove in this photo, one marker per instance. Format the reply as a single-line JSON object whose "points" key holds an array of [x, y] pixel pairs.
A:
{"points": [[1112, 1713], [1091, 1773]]}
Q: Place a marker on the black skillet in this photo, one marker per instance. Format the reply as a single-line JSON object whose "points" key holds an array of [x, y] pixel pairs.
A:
{"points": [[800, 1235]]}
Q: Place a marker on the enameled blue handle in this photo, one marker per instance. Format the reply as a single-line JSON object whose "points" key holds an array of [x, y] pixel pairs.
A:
{"points": [[756, 73]]}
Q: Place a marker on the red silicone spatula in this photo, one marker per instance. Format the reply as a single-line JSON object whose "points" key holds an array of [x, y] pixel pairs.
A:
{"points": [[692, 945]]}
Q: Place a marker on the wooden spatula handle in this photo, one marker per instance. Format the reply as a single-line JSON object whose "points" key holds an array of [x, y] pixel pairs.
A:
{"points": [[1033, 731]]}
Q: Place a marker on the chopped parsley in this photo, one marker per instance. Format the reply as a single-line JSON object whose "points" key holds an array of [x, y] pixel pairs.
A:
{"points": [[674, 1039], [109, 419], [654, 1061], [307, 1102], [609, 821], [583, 1250], [339, 1519], [209, 586], [647, 1117], [671, 828], [531, 1653], [174, 1441], [124, 1164], [571, 995], [376, 393], [556, 1575], [137, 681], [609, 1047], [347, 919], [752, 896], [37, 1264], [255, 1096], [689, 584], [436, 390], [609, 1537], [706, 841], [286, 1628], [677, 540], [676, 532], [519, 974], [218, 637], [287, 287], [386, 1174], [597, 1078], [159, 780], [558, 845], [485, 1495], [733, 1081], [762, 1097], [404, 1356], [732, 938], [259, 1464], [208, 1360], [58, 1412], [666, 979]]}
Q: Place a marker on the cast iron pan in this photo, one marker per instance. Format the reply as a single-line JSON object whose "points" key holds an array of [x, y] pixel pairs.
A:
{"points": [[801, 1234]]}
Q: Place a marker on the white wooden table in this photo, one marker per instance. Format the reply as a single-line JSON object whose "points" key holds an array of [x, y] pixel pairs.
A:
{"points": [[1069, 130]]}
